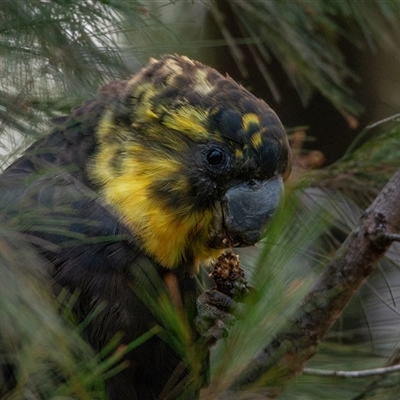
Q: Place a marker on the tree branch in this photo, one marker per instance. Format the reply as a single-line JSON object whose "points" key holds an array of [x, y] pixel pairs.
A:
{"points": [[285, 356]]}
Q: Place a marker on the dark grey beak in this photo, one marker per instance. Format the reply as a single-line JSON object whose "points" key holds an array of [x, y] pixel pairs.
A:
{"points": [[247, 208]]}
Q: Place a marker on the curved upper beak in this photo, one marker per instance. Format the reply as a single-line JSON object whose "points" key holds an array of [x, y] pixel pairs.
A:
{"points": [[246, 210]]}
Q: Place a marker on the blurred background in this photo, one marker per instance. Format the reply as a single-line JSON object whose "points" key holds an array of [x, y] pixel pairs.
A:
{"points": [[330, 70]]}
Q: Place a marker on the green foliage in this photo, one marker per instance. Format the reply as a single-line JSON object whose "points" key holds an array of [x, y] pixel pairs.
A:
{"points": [[54, 54], [43, 349], [367, 165], [306, 38]]}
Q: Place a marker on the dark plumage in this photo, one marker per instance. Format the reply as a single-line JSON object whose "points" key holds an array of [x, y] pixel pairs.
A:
{"points": [[144, 183]]}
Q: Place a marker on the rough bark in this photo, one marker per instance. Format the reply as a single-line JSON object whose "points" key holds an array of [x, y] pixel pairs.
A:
{"points": [[285, 356]]}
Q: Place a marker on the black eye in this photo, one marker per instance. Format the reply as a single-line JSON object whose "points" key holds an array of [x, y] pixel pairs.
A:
{"points": [[252, 183], [215, 157]]}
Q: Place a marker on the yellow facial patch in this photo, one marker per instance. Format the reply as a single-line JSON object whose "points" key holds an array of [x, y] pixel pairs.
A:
{"points": [[143, 112], [107, 131], [249, 121], [256, 139], [169, 234], [190, 120], [238, 153]]}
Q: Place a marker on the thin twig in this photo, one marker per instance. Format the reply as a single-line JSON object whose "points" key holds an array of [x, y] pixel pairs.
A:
{"points": [[394, 237], [353, 374]]}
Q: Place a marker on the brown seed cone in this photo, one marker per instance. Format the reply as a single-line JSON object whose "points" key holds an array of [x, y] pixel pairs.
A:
{"points": [[229, 277]]}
